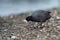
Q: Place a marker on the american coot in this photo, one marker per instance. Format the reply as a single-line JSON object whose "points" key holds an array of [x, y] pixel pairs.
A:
{"points": [[39, 16]]}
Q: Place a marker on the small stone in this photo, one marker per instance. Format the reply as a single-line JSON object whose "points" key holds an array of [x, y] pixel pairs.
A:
{"points": [[54, 24], [23, 35], [48, 34], [45, 36], [57, 37], [5, 29], [52, 19], [49, 23], [43, 24], [53, 35], [38, 36], [18, 35], [58, 17], [41, 30], [13, 37], [8, 38], [58, 26]]}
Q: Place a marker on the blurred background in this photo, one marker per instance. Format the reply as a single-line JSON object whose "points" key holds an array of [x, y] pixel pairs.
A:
{"points": [[17, 6], [13, 25]]}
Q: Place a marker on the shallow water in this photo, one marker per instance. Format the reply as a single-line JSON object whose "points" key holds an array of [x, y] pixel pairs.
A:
{"points": [[13, 7]]}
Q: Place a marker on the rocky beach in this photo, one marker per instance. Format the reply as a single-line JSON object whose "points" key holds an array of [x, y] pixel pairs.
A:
{"points": [[14, 27]]}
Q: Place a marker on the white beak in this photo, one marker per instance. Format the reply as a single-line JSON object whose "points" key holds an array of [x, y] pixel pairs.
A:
{"points": [[25, 21]]}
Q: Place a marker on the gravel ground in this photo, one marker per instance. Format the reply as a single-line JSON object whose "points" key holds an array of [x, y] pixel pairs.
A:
{"points": [[14, 27]]}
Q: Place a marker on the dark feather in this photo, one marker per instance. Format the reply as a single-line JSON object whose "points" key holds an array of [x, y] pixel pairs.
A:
{"points": [[39, 16]]}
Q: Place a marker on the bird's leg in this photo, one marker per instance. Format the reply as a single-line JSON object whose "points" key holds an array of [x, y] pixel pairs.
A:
{"points": [[46, 25], [40, 25], [36, 25]]}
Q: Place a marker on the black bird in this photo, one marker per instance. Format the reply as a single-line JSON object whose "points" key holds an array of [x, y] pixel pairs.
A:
{"points": [[39, 16]]}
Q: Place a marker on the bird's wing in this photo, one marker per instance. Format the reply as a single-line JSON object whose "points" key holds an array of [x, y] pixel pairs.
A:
{"points": [[40, 15]]}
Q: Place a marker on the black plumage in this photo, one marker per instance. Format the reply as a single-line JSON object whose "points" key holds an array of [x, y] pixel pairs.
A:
{"points": [[39, 16]]}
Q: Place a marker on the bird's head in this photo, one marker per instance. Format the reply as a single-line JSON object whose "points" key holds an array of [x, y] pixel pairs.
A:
{"points": [[29, 18]]}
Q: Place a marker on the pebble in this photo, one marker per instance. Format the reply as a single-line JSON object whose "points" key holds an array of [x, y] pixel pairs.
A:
{"points": [[58, 17], [49, 23], [48, 34], [13, 37], [5, 29], [45, 37], [58, 26], [38, 36], [54, 24], [41, 30], [53, 36]]}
